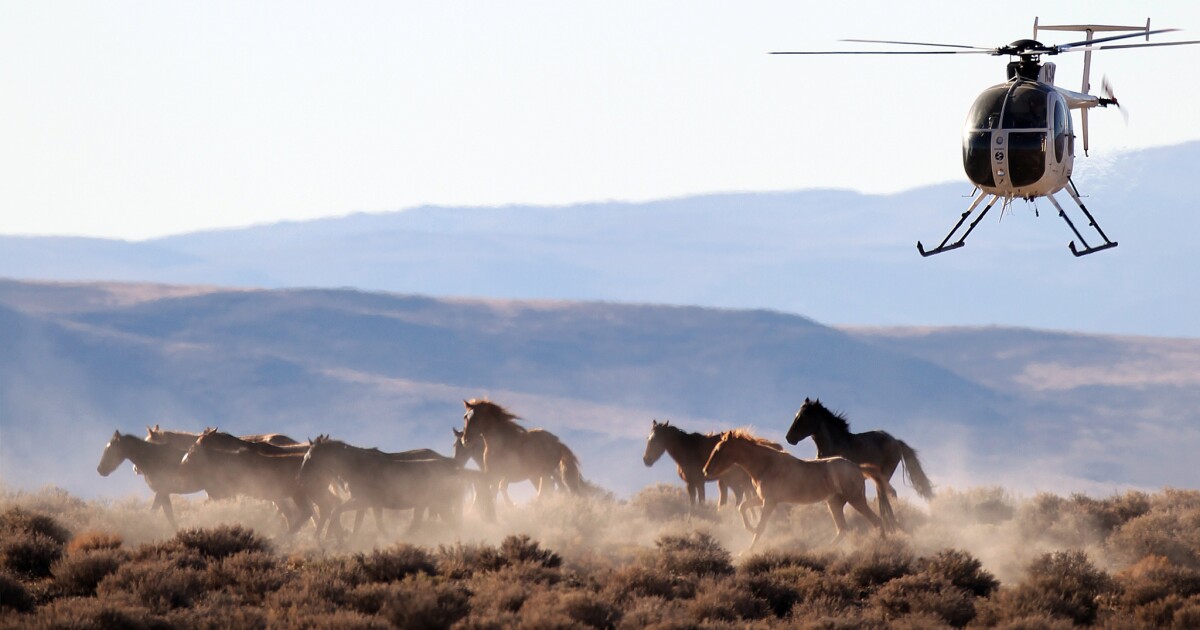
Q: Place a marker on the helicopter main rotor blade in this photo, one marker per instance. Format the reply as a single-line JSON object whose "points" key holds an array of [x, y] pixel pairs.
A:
{"points": [[1116, 46], [883, 52], [888, 41], [1069, 46]]}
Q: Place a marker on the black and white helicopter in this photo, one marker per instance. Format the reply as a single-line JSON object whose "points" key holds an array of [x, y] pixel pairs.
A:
{"points": [[1019, 137]]}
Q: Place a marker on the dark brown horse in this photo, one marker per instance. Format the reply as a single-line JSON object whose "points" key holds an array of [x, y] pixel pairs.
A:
{"points": [[262, 475], [690, 452], [158, 463], [780, 478], [376, 479], [831, 433], [513, 453], [464, 454]]}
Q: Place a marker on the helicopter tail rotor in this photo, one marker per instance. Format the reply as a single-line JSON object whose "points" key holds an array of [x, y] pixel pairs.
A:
{"points": [[1108, 97]]}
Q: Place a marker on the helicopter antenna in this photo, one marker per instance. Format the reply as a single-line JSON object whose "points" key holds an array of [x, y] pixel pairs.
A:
{"points": [[1090, 30]]}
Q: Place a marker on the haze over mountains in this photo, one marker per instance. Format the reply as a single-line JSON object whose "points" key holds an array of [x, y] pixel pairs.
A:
{"points": [[836, 256], [565, 319], [1021, 408]]}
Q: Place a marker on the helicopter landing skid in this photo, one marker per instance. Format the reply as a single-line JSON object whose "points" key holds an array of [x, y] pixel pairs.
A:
{"points": [[943, 247], [1086, 249]]}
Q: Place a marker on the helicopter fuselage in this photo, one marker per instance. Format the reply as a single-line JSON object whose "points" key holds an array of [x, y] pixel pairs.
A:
{"points": [[1018, 139]]}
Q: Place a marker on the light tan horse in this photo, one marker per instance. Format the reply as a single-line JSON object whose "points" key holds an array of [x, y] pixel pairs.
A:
{"points": [[513, 453], [781, 478]]}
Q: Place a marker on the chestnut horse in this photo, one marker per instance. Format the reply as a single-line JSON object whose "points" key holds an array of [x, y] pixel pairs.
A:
{"points": [[780, 478], [690, 452], [513, 453], [831, 433]]}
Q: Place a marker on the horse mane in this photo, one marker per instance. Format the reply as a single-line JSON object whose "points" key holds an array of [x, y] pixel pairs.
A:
{"points": [[744, 433], [494, 410], [835, 418]]}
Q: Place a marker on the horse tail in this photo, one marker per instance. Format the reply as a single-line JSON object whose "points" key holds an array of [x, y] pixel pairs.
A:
{"points": [[882, 490], [568, 465], [914, 472]]}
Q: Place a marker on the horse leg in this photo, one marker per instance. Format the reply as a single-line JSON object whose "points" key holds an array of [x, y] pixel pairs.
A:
{"points": [[722, 491], [744, 509], [768, 508], [163, 500], [700, 493], [860, 503], [691, 490], [306, 511], [504, 493], [417, 519], [837, 504]]}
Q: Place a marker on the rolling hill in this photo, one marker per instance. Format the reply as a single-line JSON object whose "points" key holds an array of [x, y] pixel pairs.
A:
{"points": [[83, 359], [835, 256]]}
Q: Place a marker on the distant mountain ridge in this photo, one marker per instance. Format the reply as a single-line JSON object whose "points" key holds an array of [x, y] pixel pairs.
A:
{"points": [[83, 359], [836, 256]]}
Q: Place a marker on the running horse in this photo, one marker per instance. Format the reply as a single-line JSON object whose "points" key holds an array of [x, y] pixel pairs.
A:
{"points": [[158, 463], [831, 433], [513, 453], [781, 478], [690, 451]]}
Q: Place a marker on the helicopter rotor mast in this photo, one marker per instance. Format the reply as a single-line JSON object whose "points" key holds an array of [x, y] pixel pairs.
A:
{"points": [[1090, 30]]}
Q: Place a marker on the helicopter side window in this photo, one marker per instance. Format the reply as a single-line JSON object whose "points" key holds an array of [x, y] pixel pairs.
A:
{"points": [[1061, 129], [1026, 108]]}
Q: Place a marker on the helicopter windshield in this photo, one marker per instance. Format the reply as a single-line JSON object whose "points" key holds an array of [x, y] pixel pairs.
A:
{"points": [[985, 113], [1027, 106]]}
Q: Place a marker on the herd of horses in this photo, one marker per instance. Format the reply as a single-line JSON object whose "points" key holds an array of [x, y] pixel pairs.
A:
{"points": [[323, 478]]}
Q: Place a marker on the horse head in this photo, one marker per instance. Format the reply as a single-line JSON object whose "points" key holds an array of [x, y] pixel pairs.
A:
{"points": [[655, 443], [805, 422], [719, 460], [114, 454]]}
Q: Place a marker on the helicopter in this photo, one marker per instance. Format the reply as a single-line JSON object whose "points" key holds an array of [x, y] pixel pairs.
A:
{"points": [[1019, 136]]}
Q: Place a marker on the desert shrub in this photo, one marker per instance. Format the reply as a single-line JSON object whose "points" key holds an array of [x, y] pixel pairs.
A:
{"points": [[697, 554], [87, 613], [1173, 533], [519, 549], [159, 585], [662, 502], [639, 581], [13, 594], [1153, 578], [1063, 584], [876, 563], [323, 586], [769, 561], [924, 594], [249, 575], [497, 592], [419, 601], [396, 563], [723, 600], [89, 541], [29, 553], [551, 607], [1110, 513], [776, 589], [78, 573], [987, 506], [222, 541], [960, 569], [16, 520]]}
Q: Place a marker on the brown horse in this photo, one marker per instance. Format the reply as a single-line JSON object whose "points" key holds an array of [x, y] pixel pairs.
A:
{"points": [[376, 479], [690, 452], [780, 478], [464, 454], [513, 453], [249, 472], [159, 463], [831, 433], [184, 439]]}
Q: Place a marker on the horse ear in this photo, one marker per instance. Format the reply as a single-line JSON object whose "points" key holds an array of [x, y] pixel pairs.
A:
{"points": [[653, 423], [457, 433], [116, 434], [466, 403], [806, 400]]}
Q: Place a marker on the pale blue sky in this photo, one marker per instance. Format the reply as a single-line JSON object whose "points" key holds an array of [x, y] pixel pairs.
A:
{"points": [[138, 119]]}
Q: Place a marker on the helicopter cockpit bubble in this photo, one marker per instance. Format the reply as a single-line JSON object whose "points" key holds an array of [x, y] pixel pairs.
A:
{"points": [[1007, 137]]}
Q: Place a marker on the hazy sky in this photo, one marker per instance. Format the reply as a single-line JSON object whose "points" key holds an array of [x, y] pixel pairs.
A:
{"points": [[138, 119]]}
